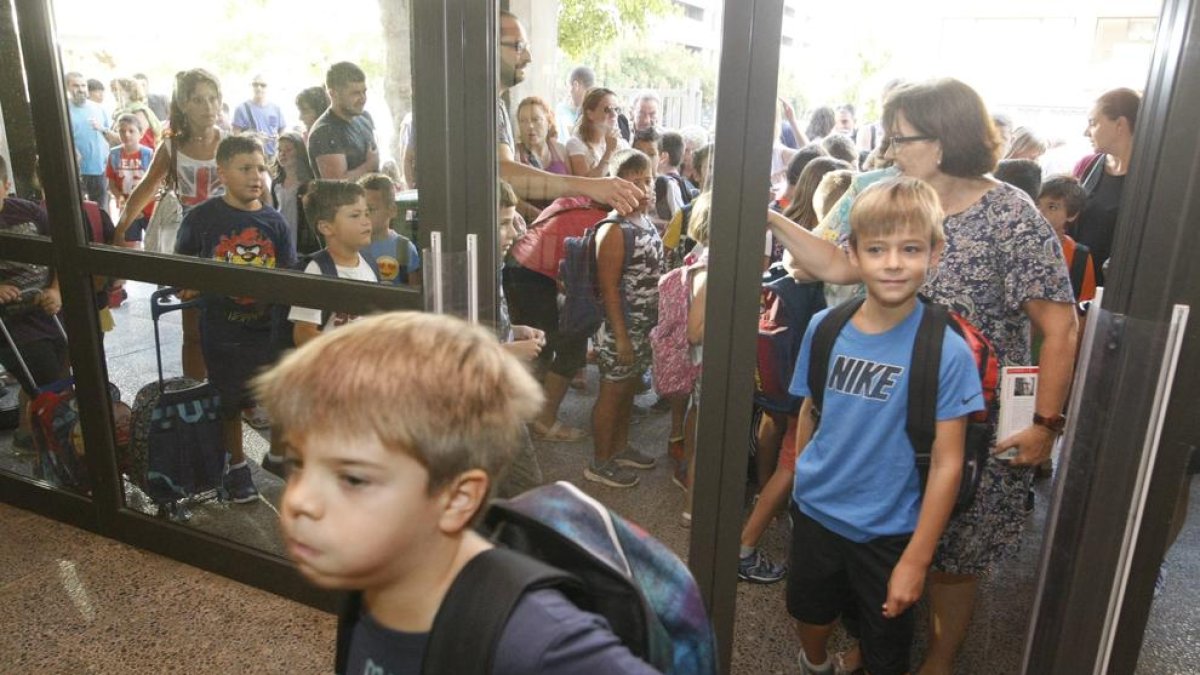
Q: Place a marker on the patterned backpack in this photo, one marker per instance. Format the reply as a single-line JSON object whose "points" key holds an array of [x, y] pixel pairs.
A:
{"points": [[556, 536], [673, 371], [582, 311]]}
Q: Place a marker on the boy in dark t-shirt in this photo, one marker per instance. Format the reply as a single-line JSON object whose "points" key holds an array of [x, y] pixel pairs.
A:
{"points": [[235, 333], [396, 427]]}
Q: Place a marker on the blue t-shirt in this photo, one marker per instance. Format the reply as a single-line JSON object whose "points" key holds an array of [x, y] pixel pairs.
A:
{"points": [[546, 634], [857, 476], [89, 141], [267, 120], [217, 231], [386, 255]]}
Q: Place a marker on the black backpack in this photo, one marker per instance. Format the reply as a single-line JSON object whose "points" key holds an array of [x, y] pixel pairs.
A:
{"points": [[921, 425], [1079, 267], [281, 329]]}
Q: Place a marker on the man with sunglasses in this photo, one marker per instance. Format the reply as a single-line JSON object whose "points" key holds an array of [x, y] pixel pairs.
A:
{"points": [[531, 183], [261, 116]]}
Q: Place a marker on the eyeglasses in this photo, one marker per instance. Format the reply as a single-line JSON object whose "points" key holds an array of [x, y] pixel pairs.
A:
{"points": [[518, 47], [894, 142], [612, 110], [260, 84]]}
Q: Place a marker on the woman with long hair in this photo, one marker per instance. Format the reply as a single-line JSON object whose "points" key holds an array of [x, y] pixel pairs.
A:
{"points": [[538, 144], [597, 137], [185, 161], [293, 170]]}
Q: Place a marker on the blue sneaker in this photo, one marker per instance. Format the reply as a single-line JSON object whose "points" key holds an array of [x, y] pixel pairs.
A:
{"points": [[240, 484], [757, 568]]}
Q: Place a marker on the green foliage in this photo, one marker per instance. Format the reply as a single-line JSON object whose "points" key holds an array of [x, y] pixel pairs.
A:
{"points": [[587, 27]]}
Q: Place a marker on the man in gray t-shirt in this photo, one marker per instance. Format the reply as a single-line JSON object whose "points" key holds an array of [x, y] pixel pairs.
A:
{"points": [[341, 142]]}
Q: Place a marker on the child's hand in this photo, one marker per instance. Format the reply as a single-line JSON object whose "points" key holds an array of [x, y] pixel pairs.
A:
{"points": [[529, 333], [904, 588], [185, 294], [526, 350], [9, 293], [50, 300]]}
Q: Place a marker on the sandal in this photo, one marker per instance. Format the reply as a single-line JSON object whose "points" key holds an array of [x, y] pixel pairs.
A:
{"points": [[556, 433]]}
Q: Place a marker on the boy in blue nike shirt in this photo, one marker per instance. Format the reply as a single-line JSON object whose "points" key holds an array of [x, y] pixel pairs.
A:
{"points": [[863, 534]]}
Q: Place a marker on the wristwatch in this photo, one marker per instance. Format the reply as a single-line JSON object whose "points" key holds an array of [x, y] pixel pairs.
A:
{"points": [[1055, 423]]}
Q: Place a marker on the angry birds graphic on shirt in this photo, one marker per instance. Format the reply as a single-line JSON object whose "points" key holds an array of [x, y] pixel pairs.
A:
{"points": [[248, 247]]}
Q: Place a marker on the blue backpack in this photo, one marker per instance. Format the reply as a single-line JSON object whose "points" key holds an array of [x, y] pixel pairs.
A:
{"points": [[556, 536], [582, 310], [785, 308]]}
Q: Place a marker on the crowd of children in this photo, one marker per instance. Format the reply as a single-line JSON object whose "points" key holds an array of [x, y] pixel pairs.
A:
{"points": [[461, 412]]}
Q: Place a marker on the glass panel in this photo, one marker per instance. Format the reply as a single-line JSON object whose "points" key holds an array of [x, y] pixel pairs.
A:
{"points": [[575, 101], [182, 462], [324, 103], [839, 109], [40, 433]]}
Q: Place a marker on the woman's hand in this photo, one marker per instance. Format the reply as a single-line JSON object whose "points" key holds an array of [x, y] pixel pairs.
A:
{"points": [[611, 139], [9, 293]]}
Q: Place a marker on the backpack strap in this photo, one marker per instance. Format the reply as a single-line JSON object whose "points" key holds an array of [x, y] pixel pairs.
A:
{"points": [[325, 263], [348, 617], [1079, 267], [822, 348], [478, 604], [923, 372]]}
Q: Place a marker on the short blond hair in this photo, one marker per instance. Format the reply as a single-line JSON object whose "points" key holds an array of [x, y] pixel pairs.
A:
{"points": [[434, 387], [900, 204]]}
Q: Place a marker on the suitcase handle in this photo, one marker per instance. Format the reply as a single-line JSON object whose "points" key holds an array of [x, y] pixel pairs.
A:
{"points": [[163, 301]]}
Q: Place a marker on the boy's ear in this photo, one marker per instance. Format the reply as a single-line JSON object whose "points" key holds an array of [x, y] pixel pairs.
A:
{"points": [[324, 227], [464, 497]]}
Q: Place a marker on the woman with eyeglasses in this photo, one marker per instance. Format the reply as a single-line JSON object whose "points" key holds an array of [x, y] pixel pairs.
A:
{"points": [[597, 137], [1002, 268]]}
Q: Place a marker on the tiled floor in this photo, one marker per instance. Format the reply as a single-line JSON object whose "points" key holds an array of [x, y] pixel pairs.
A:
{"points": [[72, 602]]}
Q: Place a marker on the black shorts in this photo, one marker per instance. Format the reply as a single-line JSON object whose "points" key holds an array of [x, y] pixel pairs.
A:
{"points": [[533, 301], [46, 358], [829, 575], [231, 366]]}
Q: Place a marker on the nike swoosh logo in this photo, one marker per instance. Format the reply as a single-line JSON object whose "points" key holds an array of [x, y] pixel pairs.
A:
{"points": [[968, 399]]}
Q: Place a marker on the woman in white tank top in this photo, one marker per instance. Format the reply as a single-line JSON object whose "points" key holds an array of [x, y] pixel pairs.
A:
{"points": [[187, 162]]}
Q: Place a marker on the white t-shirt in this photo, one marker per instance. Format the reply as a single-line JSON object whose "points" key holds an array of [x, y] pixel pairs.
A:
{"points": [[362, 272], [576, 146]]}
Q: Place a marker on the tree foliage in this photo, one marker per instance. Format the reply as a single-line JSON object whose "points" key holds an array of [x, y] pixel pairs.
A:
{"points": [[585, 27]]}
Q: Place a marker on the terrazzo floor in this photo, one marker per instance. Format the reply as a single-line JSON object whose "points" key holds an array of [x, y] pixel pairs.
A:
{"points": [[73, 602]]}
